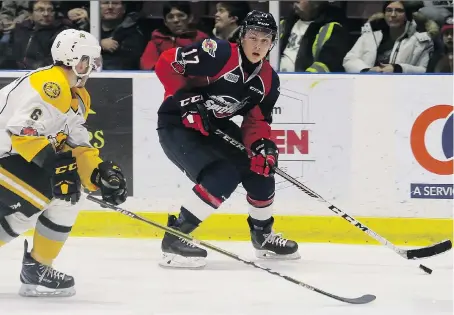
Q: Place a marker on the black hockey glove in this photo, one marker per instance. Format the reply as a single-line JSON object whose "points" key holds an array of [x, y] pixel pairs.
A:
{"points": [[65, 180], [193, 112], [109, 178], [266, 157]]}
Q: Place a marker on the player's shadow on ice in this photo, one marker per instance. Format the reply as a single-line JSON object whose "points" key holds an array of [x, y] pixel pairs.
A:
{"points": [[288, 265]]}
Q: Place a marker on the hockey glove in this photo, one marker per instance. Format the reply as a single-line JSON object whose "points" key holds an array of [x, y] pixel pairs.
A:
{"points": [[109, 178], [65, 180], [266, 157], [194, 114]]}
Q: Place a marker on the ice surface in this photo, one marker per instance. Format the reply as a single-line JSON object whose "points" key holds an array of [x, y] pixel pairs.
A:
{"points": [[122, 277]]}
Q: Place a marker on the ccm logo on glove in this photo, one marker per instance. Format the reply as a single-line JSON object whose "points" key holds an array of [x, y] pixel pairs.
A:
{"points": [[65, 179], [64, 168]]}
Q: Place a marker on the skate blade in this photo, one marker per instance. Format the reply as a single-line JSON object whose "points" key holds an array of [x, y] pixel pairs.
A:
{"points": [[266, 254], [177, 261], [31, 290]]}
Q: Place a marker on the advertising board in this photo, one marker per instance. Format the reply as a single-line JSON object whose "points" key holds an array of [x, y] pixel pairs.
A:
{"points": [[424, 140]]}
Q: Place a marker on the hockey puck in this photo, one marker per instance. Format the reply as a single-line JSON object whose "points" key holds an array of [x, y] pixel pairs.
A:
{"points": [[425, 269]]}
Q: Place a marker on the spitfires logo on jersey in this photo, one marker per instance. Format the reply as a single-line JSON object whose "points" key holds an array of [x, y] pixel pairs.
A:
{"points": [[224, 106], [210, 46]]}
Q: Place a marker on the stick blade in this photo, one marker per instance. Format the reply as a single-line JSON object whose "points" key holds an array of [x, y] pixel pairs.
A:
{"points": [[360, 300], [429, 251]]}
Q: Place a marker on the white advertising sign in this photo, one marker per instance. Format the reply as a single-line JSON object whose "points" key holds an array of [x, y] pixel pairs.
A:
{"points": [[424, 140], [311, 127], [374, 145]]}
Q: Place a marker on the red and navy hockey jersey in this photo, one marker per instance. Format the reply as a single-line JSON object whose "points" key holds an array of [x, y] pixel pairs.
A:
{"points": [[213, 69]]}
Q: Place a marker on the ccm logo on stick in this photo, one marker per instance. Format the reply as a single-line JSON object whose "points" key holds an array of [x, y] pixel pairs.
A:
{"points": [[348, 218]]}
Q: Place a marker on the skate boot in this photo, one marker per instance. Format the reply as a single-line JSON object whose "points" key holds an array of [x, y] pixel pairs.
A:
{"points": [[178, 252], [269, 245], [41, 280]]}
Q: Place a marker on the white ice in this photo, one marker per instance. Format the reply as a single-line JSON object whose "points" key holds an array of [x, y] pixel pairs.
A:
{"points": [[122, 277]]}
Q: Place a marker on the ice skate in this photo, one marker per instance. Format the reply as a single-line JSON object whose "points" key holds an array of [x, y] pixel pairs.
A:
{"points": [[41, 280], [178, 252], [270, 245]]}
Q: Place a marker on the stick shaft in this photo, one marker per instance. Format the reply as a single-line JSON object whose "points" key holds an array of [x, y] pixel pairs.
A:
{"points": [[361, 300], [424, 252]]}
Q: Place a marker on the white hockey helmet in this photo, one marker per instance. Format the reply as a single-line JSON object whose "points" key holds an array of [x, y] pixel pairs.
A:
{"points": [[71, 46]]}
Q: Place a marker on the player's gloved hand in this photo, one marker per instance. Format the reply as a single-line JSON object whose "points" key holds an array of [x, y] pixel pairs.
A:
{"points": [[266, 156], [194, 114], [110, 179], [65, 180]]}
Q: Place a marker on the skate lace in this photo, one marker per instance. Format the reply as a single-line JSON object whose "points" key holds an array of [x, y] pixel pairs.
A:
{"points": [[50, 272], [186, 242], [274, 239]]}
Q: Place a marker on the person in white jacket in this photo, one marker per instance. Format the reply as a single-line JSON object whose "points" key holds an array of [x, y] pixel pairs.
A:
{"points": [[390, 42]]}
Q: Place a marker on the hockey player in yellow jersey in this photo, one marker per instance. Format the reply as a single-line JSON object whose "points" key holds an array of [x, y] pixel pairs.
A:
{"points": [[46, 159]]}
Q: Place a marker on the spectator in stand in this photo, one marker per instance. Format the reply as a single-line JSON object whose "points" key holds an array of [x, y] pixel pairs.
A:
{"points": [[31, 40], [314, 38], [442, 4], [229, 15], [176, 33], [13, 12], [122, 42], [78, 12], [79, 17], [441, 61], [390, 43], [436, 14]]}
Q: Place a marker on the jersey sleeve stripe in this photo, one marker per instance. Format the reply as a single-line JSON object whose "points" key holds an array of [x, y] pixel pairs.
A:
{"points": [[29, 147]]}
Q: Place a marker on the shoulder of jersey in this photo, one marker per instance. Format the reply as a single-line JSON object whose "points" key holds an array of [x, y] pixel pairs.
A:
{"points": [[266, 67], [52, 86], [269, 76], [217, 48]]}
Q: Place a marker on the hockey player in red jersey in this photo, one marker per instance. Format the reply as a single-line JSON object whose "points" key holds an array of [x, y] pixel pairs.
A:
{"points": [[206, 84]]}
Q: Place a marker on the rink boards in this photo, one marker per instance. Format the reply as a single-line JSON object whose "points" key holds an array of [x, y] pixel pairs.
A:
{"points": [[316, 229], [377, 146]]}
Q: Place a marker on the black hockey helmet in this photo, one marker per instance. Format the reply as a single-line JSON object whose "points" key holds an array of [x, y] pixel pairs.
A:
{"points": [[260, 21]]}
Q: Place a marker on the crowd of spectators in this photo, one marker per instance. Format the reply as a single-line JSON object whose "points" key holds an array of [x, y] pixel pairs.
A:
{"points": [[315, 36]]}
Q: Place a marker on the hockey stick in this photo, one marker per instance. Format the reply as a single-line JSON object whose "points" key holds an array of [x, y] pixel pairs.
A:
{"points": [[360, 300], [417, 253]]}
